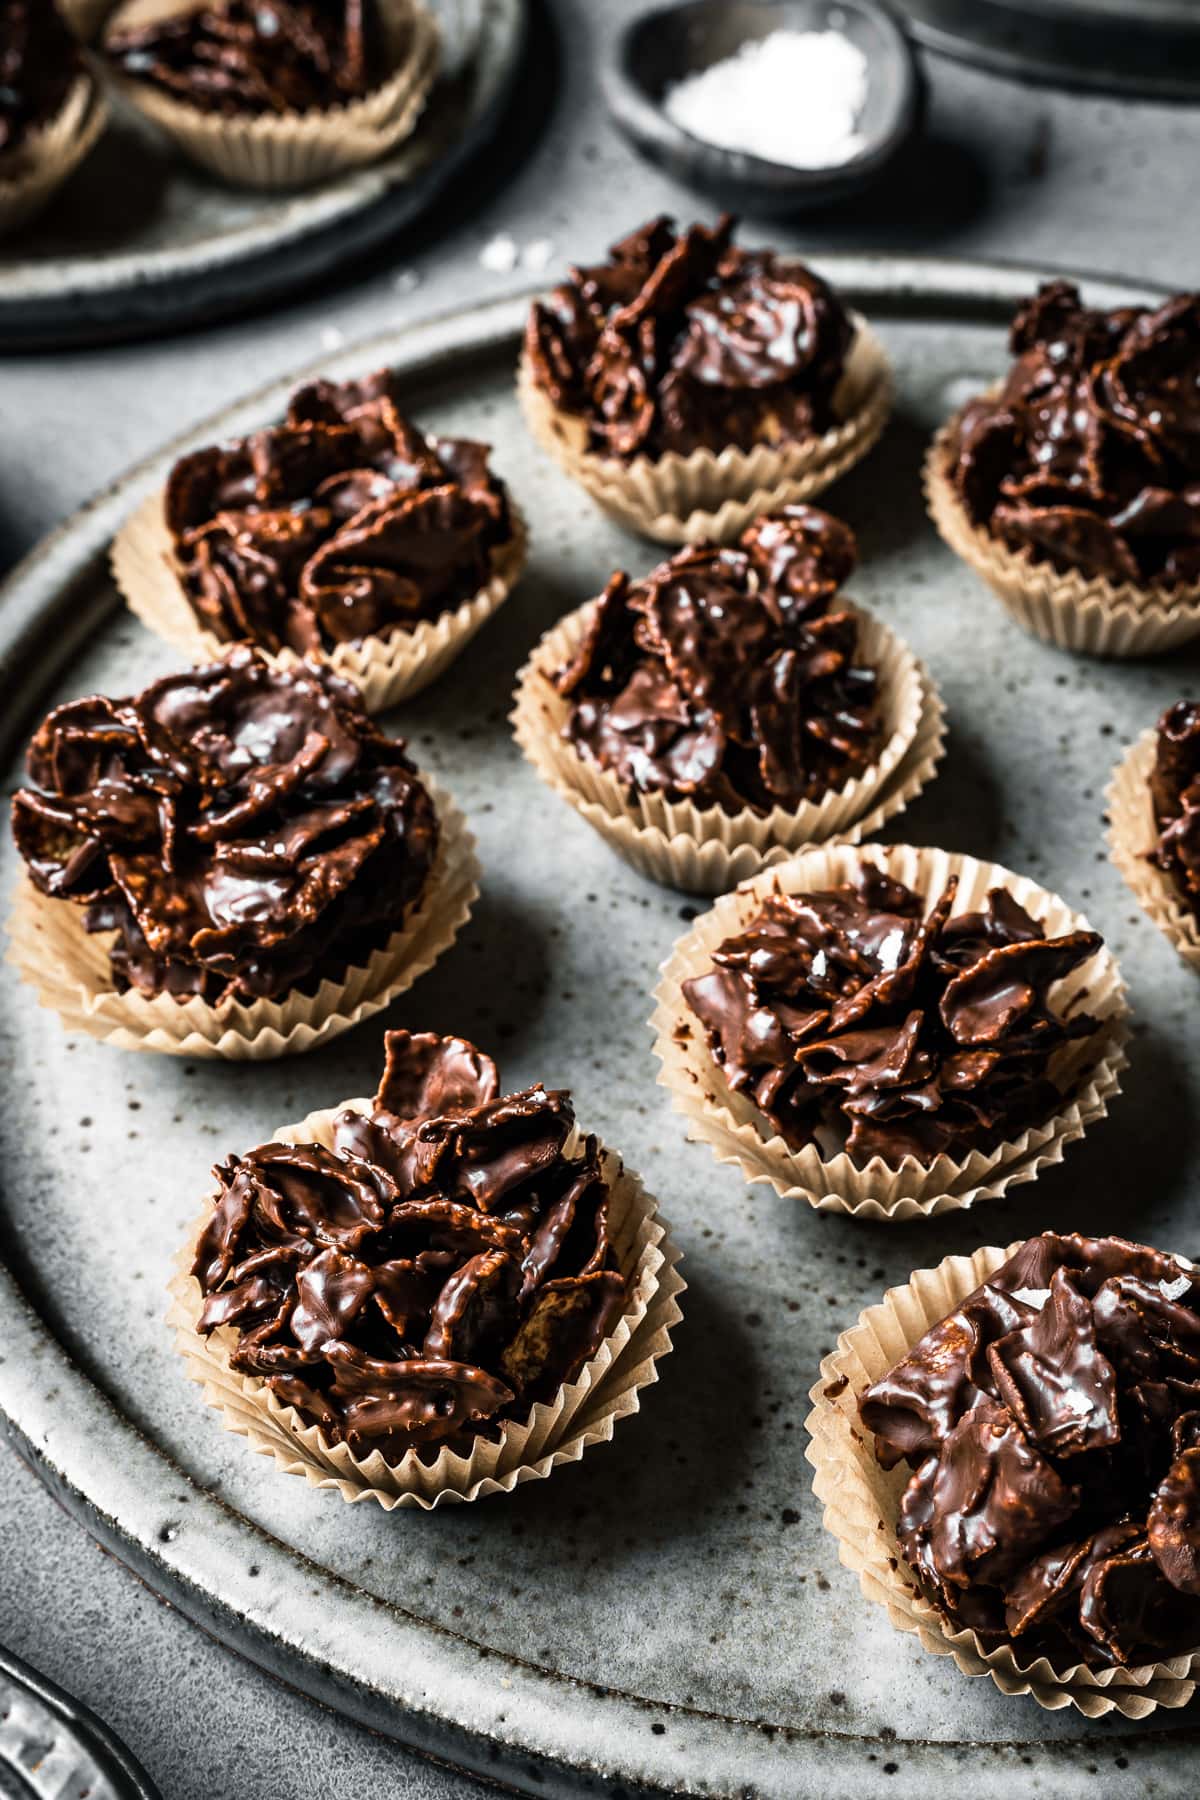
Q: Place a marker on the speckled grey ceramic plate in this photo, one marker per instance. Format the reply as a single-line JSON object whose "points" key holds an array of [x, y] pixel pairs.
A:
{"points": [[669, 1613], [139, 241]]}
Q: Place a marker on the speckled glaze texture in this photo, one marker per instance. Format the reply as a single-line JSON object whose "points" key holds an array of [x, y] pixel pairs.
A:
{"points": [[690, 1565]]}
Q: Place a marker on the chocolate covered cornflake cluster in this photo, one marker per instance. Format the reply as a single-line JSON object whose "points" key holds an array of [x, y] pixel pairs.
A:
{"points": [[854, 1020], [257, 56], [1053, 1424], [1175, 794], [681, 342], [337, 525], [1089, 456], [244, 830], [39, 59], [727, 676], [446, 1265]]}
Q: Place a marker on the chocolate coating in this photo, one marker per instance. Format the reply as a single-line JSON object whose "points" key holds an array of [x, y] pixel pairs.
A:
{"points": [[39, 59], [985, 1502], [1089, 456], [243, 829], [1051, 1421], [1175, 793], [681, 342], [341, 523], [724, 675], [444, 1266], [850, 1011], [258, 56], [1173, 1527]]}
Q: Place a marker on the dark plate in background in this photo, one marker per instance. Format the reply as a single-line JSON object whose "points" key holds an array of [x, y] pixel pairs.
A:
{"points": [[1149, 48]]}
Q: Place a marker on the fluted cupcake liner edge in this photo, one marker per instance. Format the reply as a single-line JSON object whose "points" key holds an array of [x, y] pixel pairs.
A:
{"points": [[386, 668], [293, 150], [1132, 834], [1085, 614], [1088, 1071], [704, 849], [861, 1502], [70, 971], [677, 499], [583, 1412], [51, 153]]}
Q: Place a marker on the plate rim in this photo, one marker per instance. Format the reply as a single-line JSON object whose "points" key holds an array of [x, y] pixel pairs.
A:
{"points": [[180, 287], [1014, 46]]}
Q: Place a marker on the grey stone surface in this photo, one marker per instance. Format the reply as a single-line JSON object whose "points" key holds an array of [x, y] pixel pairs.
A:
{"points": [[1025, 175]]}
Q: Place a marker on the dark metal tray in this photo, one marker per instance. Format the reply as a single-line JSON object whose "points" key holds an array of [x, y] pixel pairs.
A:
{"points": [[669, 1613], [139, 241], [1148, 48]]}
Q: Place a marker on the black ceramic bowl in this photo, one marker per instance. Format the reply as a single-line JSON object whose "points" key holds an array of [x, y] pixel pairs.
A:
{"points": [[648, 51]]}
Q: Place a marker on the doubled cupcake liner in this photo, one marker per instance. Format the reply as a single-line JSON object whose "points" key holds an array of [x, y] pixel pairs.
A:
{"points": [[85, 17], [704, 849], [294, 150], [681, 499], [70, 970], [1087, 1072], [1084, 613], [386, 668], [31, 175], [862, 1500], [583, 1412], [1133, 834]]}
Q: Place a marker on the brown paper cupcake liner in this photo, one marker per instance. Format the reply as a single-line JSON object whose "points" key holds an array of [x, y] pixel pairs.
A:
{"points": [[583, 1413], [681, 499], [713, 868], [1087, 1072], [292, 150], [1074, 611], [70, 970], [51, 154], [861, 1503], [1132, 834], [85, 17], [387, 668], [704, 849]]}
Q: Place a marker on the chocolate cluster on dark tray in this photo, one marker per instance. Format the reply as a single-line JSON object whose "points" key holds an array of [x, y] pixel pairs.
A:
{"points": [[1053, 1423], [1089, 455], [725, 677], [853, 1019], [682, 342], [342, 523], [1175, 794], [258, 56], [446, 1265], [39, 59], [244, 830]]}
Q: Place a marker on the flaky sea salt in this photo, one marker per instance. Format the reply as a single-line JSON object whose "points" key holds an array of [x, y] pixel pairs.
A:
{"points": [[794, 97], [538, 254], [500, 255]]}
